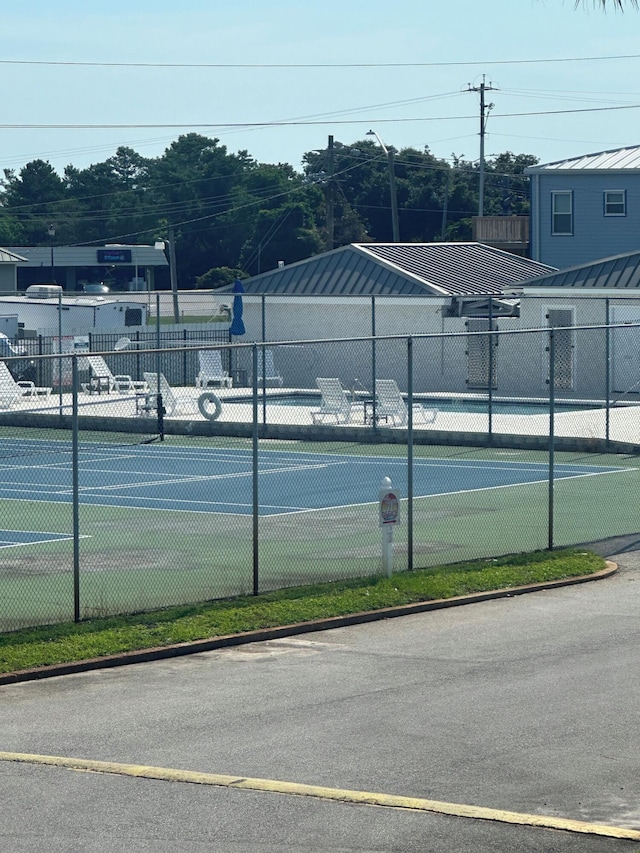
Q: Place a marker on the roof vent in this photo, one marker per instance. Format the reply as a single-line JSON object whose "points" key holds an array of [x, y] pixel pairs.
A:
{"points": [[43, 291]]}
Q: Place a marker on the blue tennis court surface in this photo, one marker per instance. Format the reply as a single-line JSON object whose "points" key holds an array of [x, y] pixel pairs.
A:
{"points": [[10, 538], [198, 479]]}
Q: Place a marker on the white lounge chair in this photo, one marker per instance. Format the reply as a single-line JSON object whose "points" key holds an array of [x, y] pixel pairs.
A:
{"points": [[211, 370], [102, 379], [335, 402], [270, 373], [390, 404], [12, 390], [171, 402]]}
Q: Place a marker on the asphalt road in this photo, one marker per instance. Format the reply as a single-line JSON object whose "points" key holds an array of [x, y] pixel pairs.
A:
{"points": [[528, 705]]}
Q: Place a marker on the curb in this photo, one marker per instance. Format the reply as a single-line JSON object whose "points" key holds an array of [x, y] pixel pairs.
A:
{"points": [[263, 634]]}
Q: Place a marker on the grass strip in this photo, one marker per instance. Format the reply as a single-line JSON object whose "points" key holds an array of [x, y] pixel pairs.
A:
{"points": [[70, 642]]}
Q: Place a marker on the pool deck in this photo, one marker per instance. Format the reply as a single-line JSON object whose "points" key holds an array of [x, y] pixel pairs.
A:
{"points": [[237, 407]]}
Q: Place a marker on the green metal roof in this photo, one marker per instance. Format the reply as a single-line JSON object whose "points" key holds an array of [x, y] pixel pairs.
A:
{"points": [[400, 269]]}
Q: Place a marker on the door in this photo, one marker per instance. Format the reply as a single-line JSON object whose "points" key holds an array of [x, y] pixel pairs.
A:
{"points": [[563, 374], [479, 355]]}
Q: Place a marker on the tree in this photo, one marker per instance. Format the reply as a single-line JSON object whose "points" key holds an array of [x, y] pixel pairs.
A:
{"points": [[615, 3], [605, 4], [192, 187], [218, 277], [109, 199], [262, 187], [35, 198], [288, 233]]}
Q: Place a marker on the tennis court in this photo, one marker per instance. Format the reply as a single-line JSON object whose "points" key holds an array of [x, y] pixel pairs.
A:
{"points": [[186, 520], [220, 480]]}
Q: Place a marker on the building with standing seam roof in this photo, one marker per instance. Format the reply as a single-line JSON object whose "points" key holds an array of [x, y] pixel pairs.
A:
{"points": [[585, 208]]}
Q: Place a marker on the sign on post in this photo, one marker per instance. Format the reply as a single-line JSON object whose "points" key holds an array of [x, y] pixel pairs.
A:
{"points": [[389, 516]]}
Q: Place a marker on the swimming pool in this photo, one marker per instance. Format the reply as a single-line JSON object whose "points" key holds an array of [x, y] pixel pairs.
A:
{"points": [[457, 404]]}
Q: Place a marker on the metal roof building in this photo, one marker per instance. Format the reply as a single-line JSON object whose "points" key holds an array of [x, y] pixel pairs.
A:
{"points": [[129, 267], [585, 208], [619, 274], [613, 160], [455, 270], [8, 257], [8, 270]]}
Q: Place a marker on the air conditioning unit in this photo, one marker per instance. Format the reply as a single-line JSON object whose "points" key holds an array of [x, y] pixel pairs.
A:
{"points": [[43, 291]]}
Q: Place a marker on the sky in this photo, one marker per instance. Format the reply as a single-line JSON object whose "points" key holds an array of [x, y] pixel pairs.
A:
{"points": [[277, 78]]}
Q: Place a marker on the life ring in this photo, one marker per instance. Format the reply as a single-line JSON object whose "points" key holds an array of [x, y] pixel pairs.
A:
{"points": [[204, 400]]}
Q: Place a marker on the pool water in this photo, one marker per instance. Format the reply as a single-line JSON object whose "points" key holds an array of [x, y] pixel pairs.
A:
{"points": [[457, 404]]}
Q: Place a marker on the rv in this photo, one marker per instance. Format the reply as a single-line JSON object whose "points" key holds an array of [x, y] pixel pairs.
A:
{"points": [[45, 310]]}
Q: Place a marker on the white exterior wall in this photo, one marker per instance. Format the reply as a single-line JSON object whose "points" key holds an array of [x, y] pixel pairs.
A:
{"points": [[589, 356], [440, 364], [8, 278], [78, 316]]}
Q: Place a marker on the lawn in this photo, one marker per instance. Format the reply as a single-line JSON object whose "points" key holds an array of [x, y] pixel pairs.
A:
{"points": [[68, 642]]}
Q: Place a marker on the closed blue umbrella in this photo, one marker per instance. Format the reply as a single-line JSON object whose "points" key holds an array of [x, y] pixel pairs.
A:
{"points": [[237, 324]]}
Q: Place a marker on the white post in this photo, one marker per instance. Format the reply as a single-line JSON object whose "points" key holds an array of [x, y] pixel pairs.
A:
{"points": [[389, 516], [387, 549]]}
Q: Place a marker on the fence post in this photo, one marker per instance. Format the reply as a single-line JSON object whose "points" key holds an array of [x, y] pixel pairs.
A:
{"points": [[607, 378], [137, 349], [184, 357], [75, 490], [374, 416], [264, 378], [256, 567], [410, 454], [552, 392], [60, 361], [159, 403], [490, 360]]}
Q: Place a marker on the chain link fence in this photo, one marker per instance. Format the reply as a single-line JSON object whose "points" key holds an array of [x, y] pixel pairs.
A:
{"points": [[137, 476]]}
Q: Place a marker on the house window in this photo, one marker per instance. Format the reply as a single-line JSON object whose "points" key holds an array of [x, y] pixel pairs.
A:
{"points": [[615, 203], [561, 213]]}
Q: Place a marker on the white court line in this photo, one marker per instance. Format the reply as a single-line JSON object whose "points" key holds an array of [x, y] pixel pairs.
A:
{"points": [[8, 543], [191, 479], [338, 461], [193, 502]]}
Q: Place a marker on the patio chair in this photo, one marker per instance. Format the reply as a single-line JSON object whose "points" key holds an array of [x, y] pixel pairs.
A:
{"points": [[335, 402], [211, 370], [102, 379], [390, 404], [270, 373], [171, 402], [11, 390]]}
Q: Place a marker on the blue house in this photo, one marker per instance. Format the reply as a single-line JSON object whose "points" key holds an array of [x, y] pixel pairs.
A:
{"points": [[585, 208]]}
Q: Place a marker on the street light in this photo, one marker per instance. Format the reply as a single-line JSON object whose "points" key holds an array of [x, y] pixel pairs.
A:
{"points": [[392, 186], [51, 231]]}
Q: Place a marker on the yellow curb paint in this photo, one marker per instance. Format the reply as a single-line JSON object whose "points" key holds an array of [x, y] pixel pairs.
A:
{"points": [[338, 794]]}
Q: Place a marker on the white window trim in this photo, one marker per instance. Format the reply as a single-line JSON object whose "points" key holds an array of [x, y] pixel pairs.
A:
{"points": [[624, 202], [555, 193]]}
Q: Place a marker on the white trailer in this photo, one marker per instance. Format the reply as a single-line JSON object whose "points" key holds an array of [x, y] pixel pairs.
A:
{"points": [[43, 313]]}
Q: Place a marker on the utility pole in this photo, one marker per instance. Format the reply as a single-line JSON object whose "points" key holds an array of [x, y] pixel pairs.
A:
{"points": [[484, 115], [330, 193], [445, 206], [172, 273]]}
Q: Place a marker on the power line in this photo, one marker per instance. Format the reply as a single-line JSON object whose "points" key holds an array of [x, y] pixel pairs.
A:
{"points": [[312, 123], [320, 65]]}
